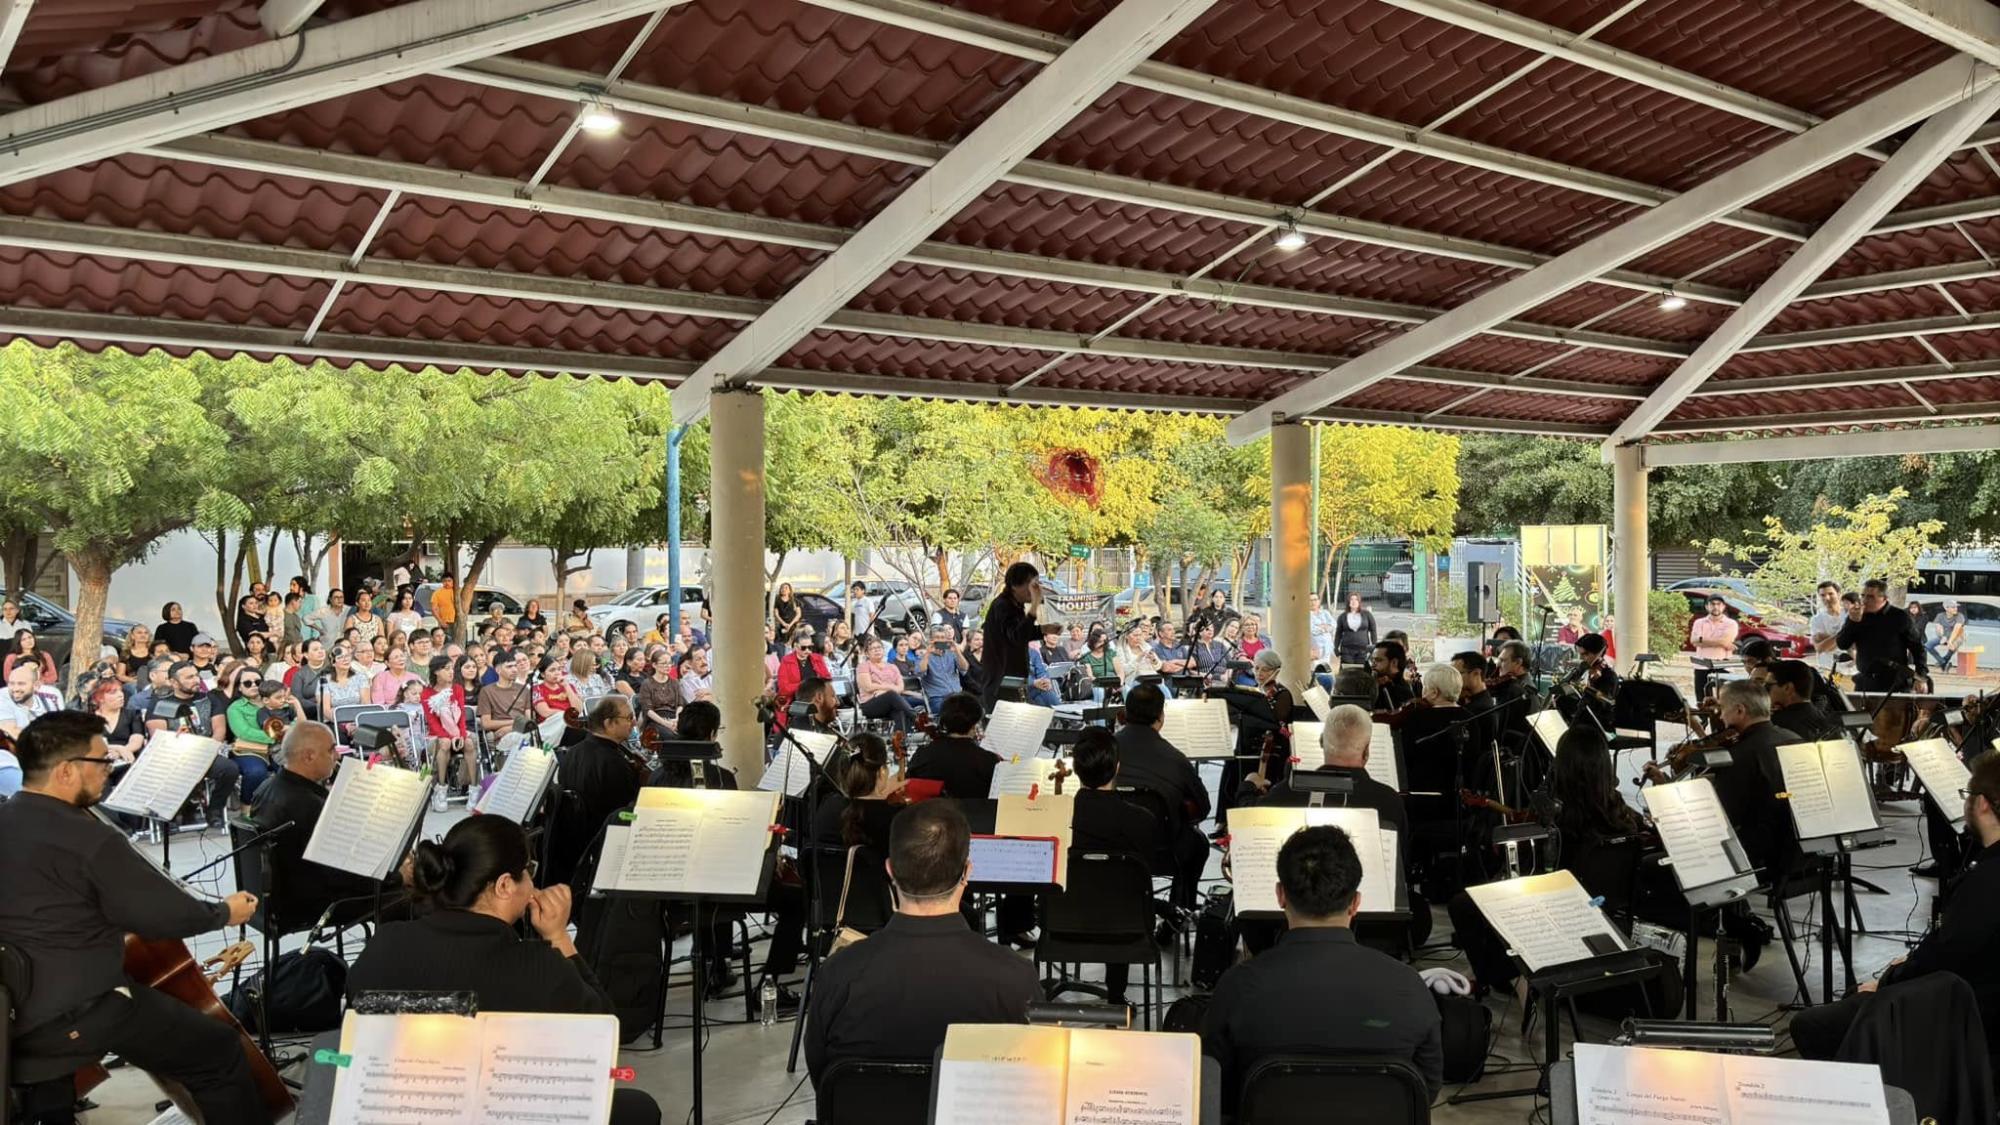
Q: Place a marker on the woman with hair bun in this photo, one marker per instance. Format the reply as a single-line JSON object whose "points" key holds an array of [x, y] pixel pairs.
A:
{"points": [[480, 882]]}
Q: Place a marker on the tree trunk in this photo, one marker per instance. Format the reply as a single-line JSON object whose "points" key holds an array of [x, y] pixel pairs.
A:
{"points": [[461, 628], [21, 555], [271, 560], [249, 555], [942, 558], [93, 574]]}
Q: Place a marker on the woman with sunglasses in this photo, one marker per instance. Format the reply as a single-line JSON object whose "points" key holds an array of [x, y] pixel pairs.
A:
{"points": [[480, 881], [250, 744]]}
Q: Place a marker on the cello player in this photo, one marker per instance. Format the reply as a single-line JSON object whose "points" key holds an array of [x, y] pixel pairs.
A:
{"points": [[75, 888]]}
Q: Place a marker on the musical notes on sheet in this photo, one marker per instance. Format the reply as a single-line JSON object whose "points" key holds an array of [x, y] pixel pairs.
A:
{"points": [[519, 1067], [164, 774], [1016, 730], [370, 816], [517, 792], [1544, 919]]}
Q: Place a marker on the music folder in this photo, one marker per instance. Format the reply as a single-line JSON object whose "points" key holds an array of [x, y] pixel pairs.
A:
{"points": [[164, 775], [687, 843], [1645, 1086], [517, 792], [1702, 847], [1198, 728], [1007, 1074], [436, 1068], [1014, 863]]}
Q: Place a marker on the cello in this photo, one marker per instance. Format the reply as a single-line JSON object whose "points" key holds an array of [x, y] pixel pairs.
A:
{"points": [[166, 966]]}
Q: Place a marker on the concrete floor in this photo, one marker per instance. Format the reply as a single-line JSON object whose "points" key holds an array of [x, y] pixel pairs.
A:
{"points": [[745, 1063]]}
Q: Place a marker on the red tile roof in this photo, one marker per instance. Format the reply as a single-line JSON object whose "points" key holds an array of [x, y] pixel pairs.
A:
{"points": [[1559, 153]]}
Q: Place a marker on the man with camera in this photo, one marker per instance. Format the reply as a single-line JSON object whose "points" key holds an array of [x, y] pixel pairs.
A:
{"points": [[943, 668]]}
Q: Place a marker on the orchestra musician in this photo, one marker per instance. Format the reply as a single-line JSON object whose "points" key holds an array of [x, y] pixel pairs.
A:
{"points": [[863, 801], [1790, 683], [1390, 662], [603, 775], [1749, 785], [296, 794], [957, 759], [1476, 699], [1148, 761], [1594, 681], [75, 888], [1262, 744], [1512, 686]]}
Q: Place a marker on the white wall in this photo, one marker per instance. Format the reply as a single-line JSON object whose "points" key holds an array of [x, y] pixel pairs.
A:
{"points": [[182, 569]]}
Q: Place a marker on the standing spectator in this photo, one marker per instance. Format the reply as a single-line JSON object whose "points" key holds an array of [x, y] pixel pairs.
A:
{"points": [[1320, 620], [308, 603], [176, 630], [951, 615], [10, 622], [329, 623], [405, 618], [785, 611], [1354, 633], [135, 652], [444, 602], [531, 615], [29, 653], [1714, 635], [292, 628], [1572, 630], [659, 695]]}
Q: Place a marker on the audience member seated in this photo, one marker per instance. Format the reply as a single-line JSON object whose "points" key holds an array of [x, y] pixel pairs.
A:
{"points": [[1317, 990], [892, 996], [957, 759], [296, 793], [1963, 941]]}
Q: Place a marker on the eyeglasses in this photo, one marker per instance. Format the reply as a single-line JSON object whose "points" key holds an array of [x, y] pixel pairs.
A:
{"points": [[94, 761]]}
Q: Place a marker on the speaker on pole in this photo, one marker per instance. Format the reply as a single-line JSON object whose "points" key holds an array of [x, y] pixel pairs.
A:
{"points": [[1482, 592]]}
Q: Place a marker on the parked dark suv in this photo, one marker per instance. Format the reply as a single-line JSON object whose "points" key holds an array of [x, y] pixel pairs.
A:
{"points": [[55, 627]]}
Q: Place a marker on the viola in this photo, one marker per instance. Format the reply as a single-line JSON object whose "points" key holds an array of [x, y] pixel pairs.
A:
{"points": [[1507, 813], [166, 966], [1680, 759]]}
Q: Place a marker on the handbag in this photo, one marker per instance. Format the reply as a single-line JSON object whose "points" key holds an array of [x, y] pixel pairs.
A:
{"points": [[304, 993], [843, 934]]}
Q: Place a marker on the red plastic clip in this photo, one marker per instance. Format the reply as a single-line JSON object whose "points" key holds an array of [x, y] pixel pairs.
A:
{"points": [[372, 759], [1223, 840], [1034, 791], [623, 1074], [780, 830], [1294, 759]]}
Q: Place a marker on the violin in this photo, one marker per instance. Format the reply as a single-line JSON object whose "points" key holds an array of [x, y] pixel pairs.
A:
{"points": [[166, 966], [1681, 758], [1508, 814]]}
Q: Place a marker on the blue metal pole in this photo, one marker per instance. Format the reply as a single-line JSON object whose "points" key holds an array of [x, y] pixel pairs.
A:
{"points": [[674, 528]]}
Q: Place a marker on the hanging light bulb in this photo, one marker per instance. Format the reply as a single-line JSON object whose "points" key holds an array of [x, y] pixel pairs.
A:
{"points": [[1672, 302], [1290, 238], [597, 120]]}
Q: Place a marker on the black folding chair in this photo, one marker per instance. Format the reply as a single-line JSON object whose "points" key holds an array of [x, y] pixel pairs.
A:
{"points": [[1103, 916], [874, 1092], [1333, 1090], [29, 1084]]}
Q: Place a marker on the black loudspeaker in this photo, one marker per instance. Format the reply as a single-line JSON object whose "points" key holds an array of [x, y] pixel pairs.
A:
{"points": [[1482, 592]]}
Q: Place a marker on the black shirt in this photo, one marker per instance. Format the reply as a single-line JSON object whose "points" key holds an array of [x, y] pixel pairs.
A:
{"points": [[460, 951], [1106, 822], [830, 823], [1318, 990], [893, 995], [1748, 788], [74, 888], [965, 767], [303, 889], [1886, 644], [1147, 761], [1368, 794], [597, 771], [1965, 938], [179, 635], [1807, 721], [1008, 632]]}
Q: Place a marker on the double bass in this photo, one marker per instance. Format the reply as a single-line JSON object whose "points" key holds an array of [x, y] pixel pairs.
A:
{"points": [[166, 966]]}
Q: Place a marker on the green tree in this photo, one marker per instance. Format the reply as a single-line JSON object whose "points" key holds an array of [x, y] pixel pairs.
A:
{"points": [[1384, 482], [1846, 545]]}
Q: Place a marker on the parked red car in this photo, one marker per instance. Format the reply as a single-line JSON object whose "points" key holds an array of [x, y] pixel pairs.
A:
{"points": [[1787, 632]]}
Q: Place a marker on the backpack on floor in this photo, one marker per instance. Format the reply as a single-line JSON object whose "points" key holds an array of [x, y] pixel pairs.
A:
{"points": [[1467, 1029], [304, 993], [1214, 942]]}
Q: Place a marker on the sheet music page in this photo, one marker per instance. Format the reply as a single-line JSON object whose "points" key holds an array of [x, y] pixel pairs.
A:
{"points": [[1255, 834], [546, 1069], [611, 858], [1771, 1091], [518, 789], [1047, 815], [406, 1070], [1542, 918], [992, 1074], [1644, 1086], [164, 774], [1847, 785], [552, 728], [368, 818], [1132, 1078], [1828, 794], [1316, 697], [1307, 751], [698, 841], [1694, 829], [1549, 727], [1198, 728], [1015, 729], [790, 769], [1363, 828], [1938, 766], [1382, 756], [998, 859], [1016, 776]]}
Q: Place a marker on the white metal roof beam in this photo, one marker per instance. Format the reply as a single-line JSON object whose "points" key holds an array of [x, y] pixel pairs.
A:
{"points": [[13, 17], [355, 269], [1867, 333], [1912, 100], [543, 80], [1916, 278], [284, 17], [932, 18], [1830, 380], [270, 77], [1969, 26], [1878, 443], [1866, 416], [1062, 89], [1890, 184]]}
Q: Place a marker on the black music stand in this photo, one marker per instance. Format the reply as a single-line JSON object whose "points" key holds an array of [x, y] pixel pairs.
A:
{"points": [[1556, 985]]}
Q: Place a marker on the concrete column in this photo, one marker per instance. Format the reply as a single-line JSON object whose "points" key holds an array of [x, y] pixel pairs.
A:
{"points": [[1631, 558], [1291, 550], [736, 553]]}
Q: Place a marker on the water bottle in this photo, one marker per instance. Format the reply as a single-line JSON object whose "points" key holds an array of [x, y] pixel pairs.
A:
{"points": [[767, 1002]]}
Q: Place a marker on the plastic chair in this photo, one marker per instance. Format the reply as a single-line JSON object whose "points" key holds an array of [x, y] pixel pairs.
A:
{"points": [[874, 1092], [1333, 1089], [1103, 916]]}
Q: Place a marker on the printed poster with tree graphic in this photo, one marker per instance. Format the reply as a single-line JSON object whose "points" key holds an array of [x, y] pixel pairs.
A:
{"points": [[1562, 568]]}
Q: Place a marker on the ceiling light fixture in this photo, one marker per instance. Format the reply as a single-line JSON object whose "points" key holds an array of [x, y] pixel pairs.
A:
{"points": [[1290, 237], [1672, 302], [597, 120]]}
